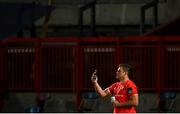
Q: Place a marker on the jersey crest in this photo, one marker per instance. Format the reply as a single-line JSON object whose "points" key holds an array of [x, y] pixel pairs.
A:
{"points": [[129, 90]]}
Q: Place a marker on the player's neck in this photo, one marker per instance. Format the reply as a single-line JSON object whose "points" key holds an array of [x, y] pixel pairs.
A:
{"points": [[125, 79]]}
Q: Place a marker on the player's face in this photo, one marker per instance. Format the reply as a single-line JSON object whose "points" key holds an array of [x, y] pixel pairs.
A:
{"points": [[120, 73]]}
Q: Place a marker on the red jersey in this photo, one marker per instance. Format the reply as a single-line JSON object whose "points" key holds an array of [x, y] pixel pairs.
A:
{"points": [[123, 92]]}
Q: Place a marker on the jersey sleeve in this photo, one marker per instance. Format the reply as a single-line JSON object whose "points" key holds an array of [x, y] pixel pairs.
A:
{"points": [[132, 89], [110, 89]]}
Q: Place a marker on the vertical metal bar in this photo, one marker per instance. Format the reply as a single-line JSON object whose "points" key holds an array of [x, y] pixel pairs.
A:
{"points": [[175, 69], [51, 77], [16, 76], [65, 64], [104, 55], [40, 65], [80, 22], [27, 74], [154, 62], [58, 68], [32, 29], [171, 70], [112, 62], [91, 55], [107, 60], [63, 68], [1, 71], [44, 66], [137, 58], [13, 74], [98, 61], [10, 75], [9, 60], [93, 19], [52, 68], [172, 62], [19, 21], [4, 65], [145, 58], [33, 33], [32, 67], [86, 70], [46, 61], [81, 69], [86, 67], [117, 53], [37, 70], [142, 20], [155, 12], [79, 62], [158, 83], [46, 21], [19, 59], [55, 67], [63, 74], [178, 72], [166, 68], [24, 67], [149, 67]]}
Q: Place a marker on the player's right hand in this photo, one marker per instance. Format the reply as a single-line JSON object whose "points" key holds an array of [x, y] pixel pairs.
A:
{"points": [[94, 77]]}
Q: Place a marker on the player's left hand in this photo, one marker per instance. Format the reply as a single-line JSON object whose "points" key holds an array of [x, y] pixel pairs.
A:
{"points": [[115, 103]]}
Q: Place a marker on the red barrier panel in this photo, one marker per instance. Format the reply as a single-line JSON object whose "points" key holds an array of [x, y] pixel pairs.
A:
{"points": [[58, 68], [102, 59], [66, 64], [142, 58], [170, 79], [17, 67]]}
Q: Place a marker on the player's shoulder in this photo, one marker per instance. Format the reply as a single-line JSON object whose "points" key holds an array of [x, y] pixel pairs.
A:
{"points": [[115, 84], [130, 83]]}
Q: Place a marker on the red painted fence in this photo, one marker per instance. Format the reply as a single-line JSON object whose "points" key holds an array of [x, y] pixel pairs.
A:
{"points": [[66, 64]]}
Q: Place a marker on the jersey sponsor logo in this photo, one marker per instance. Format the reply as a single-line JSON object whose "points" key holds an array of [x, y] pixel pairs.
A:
{"points": [[119, 88], [118, 95], [129, 90]]}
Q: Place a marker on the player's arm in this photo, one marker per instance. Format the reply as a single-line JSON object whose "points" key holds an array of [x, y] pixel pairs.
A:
{"points": [[99, 90], [97, 87], [133, 101]]}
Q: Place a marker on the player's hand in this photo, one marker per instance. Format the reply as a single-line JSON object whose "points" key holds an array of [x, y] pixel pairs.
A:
{"points": [[115, 103], [94, 77]]}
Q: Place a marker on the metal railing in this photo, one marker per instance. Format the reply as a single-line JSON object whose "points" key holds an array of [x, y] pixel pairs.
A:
{"points": [[66, 64]]}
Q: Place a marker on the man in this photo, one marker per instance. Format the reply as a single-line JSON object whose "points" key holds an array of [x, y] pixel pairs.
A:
{"points": [[124, 91]]}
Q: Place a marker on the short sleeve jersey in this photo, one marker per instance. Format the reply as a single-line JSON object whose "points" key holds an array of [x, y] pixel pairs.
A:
{"points": [[122, 93]]}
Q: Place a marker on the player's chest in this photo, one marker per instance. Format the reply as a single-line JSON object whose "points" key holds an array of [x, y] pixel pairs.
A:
{"points": [[120, 89]]}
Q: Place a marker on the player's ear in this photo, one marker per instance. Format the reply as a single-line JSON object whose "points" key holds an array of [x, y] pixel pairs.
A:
{"points": [[126, 72]]}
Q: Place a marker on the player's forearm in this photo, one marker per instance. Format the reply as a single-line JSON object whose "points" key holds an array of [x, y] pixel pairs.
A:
{"points": [[99, 90], [127, 104]]}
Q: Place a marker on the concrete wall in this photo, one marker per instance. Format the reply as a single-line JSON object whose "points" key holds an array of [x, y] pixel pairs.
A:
{"points": [[57, 102], [113, 14], [65, 102]]}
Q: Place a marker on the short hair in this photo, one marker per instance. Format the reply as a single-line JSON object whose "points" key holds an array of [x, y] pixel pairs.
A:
{"points": [[126, 68]]}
